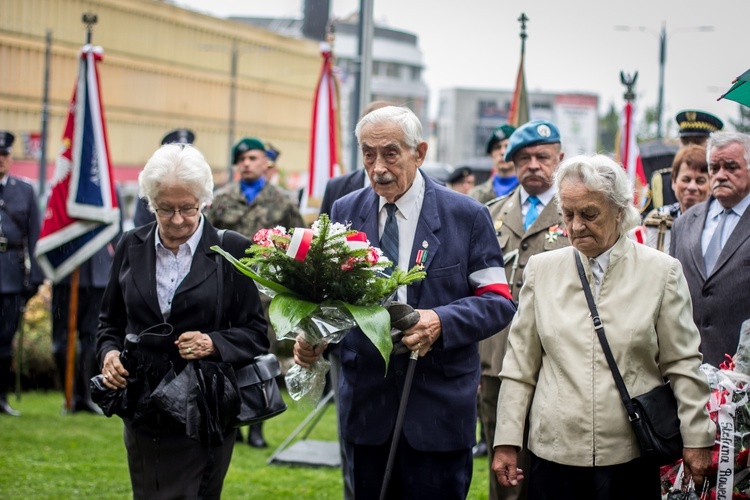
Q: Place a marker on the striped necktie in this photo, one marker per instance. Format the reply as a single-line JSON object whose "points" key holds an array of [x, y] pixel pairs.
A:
{"points": [[389, 239]]}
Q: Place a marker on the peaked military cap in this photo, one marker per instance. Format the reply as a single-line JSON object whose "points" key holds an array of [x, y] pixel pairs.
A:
{"points": [[498, 135], [6, 141], [459, 174], [695, 123], [244, 145], [179, 136]]}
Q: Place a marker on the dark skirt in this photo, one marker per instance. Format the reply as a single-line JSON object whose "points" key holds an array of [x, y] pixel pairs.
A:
{"points": [[165, 465]]}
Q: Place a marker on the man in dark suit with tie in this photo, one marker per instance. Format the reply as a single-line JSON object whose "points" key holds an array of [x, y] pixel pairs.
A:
{"points": [[712, 241], [20, 276], [464, 299]]}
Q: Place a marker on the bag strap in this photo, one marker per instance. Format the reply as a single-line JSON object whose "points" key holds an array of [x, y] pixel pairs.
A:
{"points": [[219, 278], [599, 327]]}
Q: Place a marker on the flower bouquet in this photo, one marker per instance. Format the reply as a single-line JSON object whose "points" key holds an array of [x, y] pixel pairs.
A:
{"points": [[323, 281], [729, 407]]}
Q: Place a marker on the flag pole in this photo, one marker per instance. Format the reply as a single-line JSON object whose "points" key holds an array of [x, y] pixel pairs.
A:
{"points": [[519, 106], [89, 19]]}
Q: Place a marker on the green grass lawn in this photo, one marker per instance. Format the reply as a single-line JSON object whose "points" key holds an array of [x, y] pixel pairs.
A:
{"points": [[44, 454]]}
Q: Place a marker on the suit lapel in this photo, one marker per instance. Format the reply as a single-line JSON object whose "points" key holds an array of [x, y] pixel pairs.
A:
{"points": [[739, 235], [694, 237], [511, 214], [204, 263], [425, 237], [144, 255]]}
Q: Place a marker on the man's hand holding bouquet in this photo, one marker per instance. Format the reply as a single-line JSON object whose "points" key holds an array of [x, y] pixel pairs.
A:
{"points": [[323, 281]]}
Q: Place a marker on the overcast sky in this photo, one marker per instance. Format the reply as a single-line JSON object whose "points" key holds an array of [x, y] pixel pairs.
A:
{"points": [[572, 45]]}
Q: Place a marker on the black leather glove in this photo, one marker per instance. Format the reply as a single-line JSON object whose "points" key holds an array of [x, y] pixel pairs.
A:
{"points": [[403, 317]]}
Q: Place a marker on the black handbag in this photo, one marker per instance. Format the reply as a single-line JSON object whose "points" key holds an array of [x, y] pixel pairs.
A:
{"points": [[259, 392], [653, 415]]}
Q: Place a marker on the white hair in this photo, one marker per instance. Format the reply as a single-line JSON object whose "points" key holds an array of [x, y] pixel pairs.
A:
{"points": [[404, 117], [176, 164], [724, 139], [602, 174]]}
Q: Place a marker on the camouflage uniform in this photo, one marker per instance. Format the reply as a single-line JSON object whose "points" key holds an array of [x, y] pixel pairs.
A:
{"points": [[272, 207], [484, 192], [545, 234]]}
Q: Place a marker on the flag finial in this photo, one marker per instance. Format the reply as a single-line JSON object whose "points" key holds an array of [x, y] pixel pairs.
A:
{"points": [[523, 19], [629, 82], [89, 19]]}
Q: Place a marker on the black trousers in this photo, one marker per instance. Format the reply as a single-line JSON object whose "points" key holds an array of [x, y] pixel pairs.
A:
{"points": [[628, 481], [416, 474], [166, 465]]}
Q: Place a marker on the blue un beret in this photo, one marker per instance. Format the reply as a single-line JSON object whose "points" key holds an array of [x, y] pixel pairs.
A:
{"points": [[533, 133]]}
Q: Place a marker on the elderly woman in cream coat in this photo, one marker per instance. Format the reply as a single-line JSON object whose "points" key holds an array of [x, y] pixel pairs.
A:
{"points": [[554, 371]]}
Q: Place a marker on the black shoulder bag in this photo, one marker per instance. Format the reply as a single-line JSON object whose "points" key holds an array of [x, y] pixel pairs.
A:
{"points": [[653, 415], [259, 392]]}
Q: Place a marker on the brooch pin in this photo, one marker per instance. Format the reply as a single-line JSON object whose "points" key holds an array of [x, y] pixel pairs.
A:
{"points": [[422, 255]]}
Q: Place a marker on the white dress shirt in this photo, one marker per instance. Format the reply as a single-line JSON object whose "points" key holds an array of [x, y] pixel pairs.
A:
{"points": [[409, 206]]}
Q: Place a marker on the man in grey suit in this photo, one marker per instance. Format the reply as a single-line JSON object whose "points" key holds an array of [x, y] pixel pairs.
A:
{"points": [[712, 241]]}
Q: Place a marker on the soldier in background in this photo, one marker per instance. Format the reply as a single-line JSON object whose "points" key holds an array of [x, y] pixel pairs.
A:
{"points": [[462, 180], [142, 214], [527, 222], [695, 128], [503, 179], [247, 206], [20, 276], [691, 185]]}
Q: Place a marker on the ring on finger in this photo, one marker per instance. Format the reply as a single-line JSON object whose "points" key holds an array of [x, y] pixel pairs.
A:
{"points": [[189, 350], [106, 376], [419, 344]]}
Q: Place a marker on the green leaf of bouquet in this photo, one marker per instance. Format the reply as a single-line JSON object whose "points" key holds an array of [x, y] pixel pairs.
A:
{"points": [[247, 271], [287, 310], [375, 322]]}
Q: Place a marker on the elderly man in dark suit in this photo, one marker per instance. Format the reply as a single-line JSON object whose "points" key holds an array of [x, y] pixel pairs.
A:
{"points": [[464, 299], [20, 276], [712, 241]]}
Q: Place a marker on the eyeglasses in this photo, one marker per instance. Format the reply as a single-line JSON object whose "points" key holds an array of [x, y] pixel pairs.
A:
{"points": [[165, 213]]}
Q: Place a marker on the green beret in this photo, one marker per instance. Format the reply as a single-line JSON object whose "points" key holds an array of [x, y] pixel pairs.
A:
{"points": [[246, 144], [498, 135]]}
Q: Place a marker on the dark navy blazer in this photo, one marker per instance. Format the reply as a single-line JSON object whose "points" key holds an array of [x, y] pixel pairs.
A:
{"points": [[441, 415]]}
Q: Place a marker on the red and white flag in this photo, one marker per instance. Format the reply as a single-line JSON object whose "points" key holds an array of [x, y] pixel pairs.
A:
{"points": [[82, 213], [630, 156], [324, 156]]}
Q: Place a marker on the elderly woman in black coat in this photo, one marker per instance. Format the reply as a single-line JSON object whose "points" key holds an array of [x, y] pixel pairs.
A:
{"points": [[165, 272]]}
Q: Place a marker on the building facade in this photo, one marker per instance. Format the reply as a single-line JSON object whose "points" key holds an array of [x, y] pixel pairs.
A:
{"points": [[164, 67], [467, 117]]}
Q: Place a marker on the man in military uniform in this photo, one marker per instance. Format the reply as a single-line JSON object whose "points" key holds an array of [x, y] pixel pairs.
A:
{"points": [[527, 222], [20, 276], [461, 179], [503, 180], [695, 128], [249, 205]]}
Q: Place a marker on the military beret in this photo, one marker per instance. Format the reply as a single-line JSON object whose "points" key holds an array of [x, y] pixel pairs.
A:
{"points": [[532, 133], [697, 123], [6, 141], [498, 135], [179, 136], [459, 174], [246, 144]]}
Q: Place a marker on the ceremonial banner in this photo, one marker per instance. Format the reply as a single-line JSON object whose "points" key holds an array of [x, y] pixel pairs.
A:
{"points": [[630, 156], [324, 157], [82, 213], [519, 106]]}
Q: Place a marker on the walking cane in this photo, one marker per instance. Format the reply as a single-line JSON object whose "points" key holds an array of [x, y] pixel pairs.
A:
{"points": [[403, 317], [399, 423]]}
